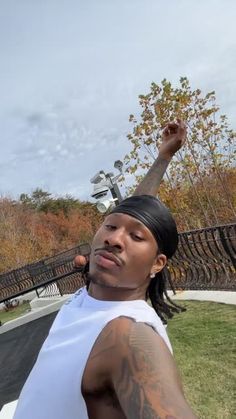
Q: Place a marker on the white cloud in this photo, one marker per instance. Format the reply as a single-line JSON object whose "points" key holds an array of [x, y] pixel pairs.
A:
{"points": [[71, 73]]}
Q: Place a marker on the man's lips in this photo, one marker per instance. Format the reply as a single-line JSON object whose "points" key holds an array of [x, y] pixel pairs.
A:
{"points": [[104, 254]]}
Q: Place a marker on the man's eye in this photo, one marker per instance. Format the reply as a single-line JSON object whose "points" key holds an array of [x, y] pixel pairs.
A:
{"points": [[137, 237], [110, 227]]}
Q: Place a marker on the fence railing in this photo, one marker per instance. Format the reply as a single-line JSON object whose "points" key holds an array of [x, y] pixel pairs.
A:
{"points": [[54, 275], [205, 259]]}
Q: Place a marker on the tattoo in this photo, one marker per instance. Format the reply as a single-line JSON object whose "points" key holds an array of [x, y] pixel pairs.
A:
{"points": [[139, 377], [132, 395], [151, 182]]}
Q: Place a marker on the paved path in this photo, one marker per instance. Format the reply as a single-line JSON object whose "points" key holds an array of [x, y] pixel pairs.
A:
{"points": [[227, 297]]}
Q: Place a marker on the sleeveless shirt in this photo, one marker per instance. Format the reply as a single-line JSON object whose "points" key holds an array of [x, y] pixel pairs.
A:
{"points": [[53, 388]]}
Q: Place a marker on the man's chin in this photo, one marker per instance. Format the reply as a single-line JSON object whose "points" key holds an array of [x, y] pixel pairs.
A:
{"points": [[109, 282], [103, 280]]}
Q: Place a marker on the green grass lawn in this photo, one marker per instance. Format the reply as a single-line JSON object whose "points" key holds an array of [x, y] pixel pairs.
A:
{"points": [[5, 316], [203, 339]]}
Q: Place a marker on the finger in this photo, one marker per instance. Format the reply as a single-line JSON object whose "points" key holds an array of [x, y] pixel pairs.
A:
{"points": [[166, 130], [181, 123], [182, 131], [170, 128], [172, 125], [79, 261]]}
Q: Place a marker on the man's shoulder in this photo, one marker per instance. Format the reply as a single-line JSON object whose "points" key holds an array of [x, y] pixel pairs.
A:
{"points": [[123, 335], [122, 341]]}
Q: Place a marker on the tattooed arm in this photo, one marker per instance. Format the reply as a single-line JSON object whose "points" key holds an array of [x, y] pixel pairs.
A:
{"points": [[145, 376], [173, 138]]}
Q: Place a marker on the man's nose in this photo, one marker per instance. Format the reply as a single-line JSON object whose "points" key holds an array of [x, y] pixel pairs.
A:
{"points": [[115, 239]]}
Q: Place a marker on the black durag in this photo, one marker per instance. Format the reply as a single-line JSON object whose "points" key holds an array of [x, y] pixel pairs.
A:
{"points": [[156, 217]]}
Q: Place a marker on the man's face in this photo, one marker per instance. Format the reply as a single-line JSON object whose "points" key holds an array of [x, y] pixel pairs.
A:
{"points": [[124, 253]]}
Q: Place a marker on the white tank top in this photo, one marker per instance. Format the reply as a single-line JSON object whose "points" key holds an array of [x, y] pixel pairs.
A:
{"points": [[53, 388]]}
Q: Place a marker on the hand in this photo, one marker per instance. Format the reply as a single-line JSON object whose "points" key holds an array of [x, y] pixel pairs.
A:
{"points": [[173, 138]]}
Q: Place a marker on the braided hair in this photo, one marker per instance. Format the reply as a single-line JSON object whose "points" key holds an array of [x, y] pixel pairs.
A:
{"points": [[157, 293]]}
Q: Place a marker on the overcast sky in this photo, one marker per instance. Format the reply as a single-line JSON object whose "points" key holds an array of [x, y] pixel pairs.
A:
{"points": [[71, 72]]}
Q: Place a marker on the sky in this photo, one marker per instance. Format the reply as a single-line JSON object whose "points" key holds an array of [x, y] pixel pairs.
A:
{"points": [[71, 72]]}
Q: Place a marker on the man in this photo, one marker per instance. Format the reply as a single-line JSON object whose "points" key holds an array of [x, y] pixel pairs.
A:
{"points": [[107, 354]]}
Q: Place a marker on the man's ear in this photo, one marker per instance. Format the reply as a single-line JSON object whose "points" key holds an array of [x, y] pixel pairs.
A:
{"points": [[159, 264]]}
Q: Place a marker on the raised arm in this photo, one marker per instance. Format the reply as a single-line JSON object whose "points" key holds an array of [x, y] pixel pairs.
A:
{"points": [[173, 138]]}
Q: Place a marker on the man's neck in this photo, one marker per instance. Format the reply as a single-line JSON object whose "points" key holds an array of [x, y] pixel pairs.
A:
{"points": [[108, 293]]}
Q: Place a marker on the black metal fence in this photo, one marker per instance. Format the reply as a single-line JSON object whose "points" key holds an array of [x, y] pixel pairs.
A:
{"points": [[54, 276], [205, 259]]}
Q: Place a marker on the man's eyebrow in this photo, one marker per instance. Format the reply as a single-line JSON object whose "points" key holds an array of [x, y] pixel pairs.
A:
{"points": [[133, 219], [138, 223]]}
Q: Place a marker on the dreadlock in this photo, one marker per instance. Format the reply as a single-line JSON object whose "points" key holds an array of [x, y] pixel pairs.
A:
{"points": [[156, 292]]}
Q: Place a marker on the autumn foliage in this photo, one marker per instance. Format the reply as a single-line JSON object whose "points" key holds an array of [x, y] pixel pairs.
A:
{"points": [[31, 229], [184, 202], [200, 185], [199, 188]]}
